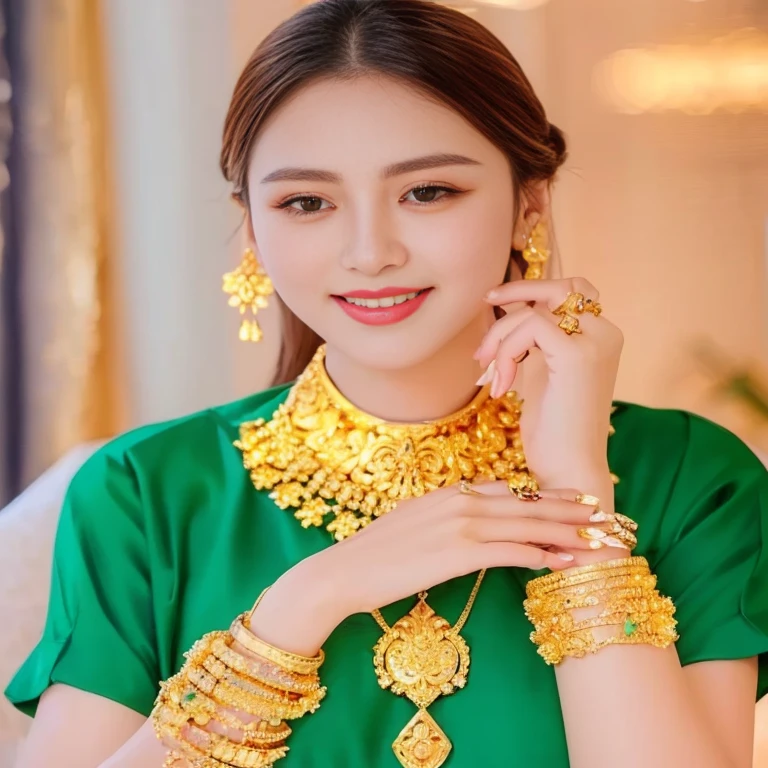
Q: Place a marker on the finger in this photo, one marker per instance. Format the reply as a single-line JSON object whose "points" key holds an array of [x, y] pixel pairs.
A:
{"points": [[500, 488], [522, 530], [499, 554], [486, 352], [550, 292], [535, 332]]}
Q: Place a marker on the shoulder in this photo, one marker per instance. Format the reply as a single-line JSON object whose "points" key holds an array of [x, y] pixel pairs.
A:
{"points": [[672, 461], [168, 453], [678, 437]]}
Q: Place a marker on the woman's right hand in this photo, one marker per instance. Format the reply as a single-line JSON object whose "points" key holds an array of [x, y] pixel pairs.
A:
{"points": [[422, 542]]}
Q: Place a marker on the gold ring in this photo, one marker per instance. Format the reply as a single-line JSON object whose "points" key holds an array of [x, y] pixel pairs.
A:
{"points": [[575, 304], [524, 492], [467, 489]]}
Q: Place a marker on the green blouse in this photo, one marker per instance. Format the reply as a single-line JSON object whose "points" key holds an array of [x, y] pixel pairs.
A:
{"points": [[163, 538]]}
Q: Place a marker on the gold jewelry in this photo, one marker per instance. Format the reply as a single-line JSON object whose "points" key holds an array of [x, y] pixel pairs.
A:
{"points": [[585, 498], [536, 253], [301, 665], [524, 493], [319, 447], [422, 657], [598, 538], [575, 304], [467, 489], [207, 687], [622, 591], [248, 286]]}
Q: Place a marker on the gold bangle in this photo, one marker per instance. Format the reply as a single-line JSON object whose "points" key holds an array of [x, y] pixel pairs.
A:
{"points": [[624, 593], [302, 665], [558, 579], [232, 753], [257, 668], [230, 696], [307, 703]]}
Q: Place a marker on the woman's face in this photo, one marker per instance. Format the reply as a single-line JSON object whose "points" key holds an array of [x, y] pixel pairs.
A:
{"points": [[351, 219]]}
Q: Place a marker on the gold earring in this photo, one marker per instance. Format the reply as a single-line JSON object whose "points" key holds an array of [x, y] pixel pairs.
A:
{"points": [[248, 286], [536, 253]]}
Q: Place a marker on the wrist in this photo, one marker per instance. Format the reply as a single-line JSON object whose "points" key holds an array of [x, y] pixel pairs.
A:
{"points": [[299, 611]]}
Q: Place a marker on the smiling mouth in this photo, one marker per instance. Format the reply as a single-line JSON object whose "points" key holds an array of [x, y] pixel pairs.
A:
{"points": [[383, 307], [384, 301]]}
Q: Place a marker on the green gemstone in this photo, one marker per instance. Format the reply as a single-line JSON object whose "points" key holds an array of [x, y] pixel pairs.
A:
{"points": [[629, 627], [190, 697]]}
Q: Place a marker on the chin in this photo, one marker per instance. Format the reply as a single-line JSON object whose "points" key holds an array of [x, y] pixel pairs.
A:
{"points": [[391, 349]]}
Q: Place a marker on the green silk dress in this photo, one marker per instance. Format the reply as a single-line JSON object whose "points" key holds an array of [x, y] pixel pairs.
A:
{"points": [[163, 538]]}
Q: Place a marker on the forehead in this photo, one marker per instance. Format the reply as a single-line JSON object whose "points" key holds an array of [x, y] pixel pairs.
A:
{"points": [[368, 121]]}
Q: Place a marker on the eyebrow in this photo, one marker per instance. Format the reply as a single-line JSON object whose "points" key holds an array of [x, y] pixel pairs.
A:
{"points": [[396, 169]]}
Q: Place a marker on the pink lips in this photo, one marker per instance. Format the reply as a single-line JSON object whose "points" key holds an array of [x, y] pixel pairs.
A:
{"points": [[382, 315]]}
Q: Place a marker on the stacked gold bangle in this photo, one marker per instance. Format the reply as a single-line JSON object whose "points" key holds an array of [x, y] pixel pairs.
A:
{"points": [[264, 684], [619, 596]]}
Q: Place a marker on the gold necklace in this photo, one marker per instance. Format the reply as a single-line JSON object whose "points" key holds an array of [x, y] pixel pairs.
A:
{"points": [[332, 464], [423, 657]]}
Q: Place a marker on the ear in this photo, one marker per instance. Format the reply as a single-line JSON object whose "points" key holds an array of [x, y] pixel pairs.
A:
{"points": [[535, 206]]}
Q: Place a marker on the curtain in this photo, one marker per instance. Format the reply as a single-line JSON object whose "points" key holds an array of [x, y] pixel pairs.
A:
{"points": [[61, 359]]}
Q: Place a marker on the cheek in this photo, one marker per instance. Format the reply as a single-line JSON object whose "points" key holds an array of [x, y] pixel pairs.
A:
{"points": [[474, 247], [296, 260]]}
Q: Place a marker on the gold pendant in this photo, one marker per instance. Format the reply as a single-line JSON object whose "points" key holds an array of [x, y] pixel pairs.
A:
{"points": [[421, 657], [422, 743]]}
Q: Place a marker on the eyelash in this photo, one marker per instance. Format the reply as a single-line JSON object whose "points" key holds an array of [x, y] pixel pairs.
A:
{"points": [[449, 192]]}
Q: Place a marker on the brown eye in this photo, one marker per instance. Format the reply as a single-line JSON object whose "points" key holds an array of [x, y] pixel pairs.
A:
{"points": [[425, 194], [310, 204]]}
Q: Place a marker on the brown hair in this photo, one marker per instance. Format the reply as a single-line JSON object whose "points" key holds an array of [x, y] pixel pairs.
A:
{"points": [[445, 54]]}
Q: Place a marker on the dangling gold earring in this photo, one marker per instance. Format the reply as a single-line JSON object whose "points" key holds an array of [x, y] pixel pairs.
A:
{"points": [[536, 253], [248, 286]]}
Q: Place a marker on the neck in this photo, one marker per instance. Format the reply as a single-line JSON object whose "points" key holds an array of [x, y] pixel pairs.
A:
{"points": [[434, 388]]}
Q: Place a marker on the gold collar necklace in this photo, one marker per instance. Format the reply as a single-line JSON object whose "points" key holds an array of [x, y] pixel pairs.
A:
{"points": [[323, 458], [333, 464]]}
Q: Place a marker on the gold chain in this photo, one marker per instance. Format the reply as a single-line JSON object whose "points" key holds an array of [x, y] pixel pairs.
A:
{"points": [[462, 620]]}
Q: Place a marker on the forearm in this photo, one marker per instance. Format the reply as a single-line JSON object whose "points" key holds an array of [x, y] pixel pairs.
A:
{"points": [[142, 750], [630, 705]]}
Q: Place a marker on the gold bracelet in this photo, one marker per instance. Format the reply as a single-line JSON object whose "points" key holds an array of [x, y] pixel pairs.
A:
{"points": [[624, 590], [230, 696], [302, 665], [221, 748], [583, 574], [261, 670]]}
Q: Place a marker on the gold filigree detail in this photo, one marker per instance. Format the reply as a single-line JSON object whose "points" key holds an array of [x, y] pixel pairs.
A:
{"points": [[323, 458]]}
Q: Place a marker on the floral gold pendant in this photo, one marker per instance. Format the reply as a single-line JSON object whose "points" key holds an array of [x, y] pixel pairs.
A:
{"points": [[421, 657]]}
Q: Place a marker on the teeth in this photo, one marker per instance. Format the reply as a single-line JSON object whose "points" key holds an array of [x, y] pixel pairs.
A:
{"points": [[389, 301]]}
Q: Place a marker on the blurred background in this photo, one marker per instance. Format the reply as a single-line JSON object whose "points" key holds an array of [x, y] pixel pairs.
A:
{"points": [[115, 225]]}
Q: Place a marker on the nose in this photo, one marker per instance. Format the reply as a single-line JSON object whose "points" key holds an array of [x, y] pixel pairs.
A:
{"points": [[373, 245]]}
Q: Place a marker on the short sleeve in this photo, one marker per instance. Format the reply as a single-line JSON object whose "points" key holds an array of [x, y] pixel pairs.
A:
{"points": [[713, 561], [99, 634]]}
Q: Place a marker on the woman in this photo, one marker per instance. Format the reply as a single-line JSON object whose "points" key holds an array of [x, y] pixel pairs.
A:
{"points": [[394, 167]]}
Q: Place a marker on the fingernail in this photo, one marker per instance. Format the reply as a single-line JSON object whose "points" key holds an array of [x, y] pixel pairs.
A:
{"points": [[600, 517], [491, 295], [565, 556], [591, 533], [497, 388], [612, 542], [487, 377]]}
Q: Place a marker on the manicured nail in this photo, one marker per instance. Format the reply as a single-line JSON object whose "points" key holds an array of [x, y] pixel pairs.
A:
{"points": [[612, 542], [497, 388], [591, 533], [565, 556], [491, 295], [600, 517], [487, 377]]}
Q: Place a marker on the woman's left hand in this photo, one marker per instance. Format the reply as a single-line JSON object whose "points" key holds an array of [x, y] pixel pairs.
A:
{"points": [[565, 432]]}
